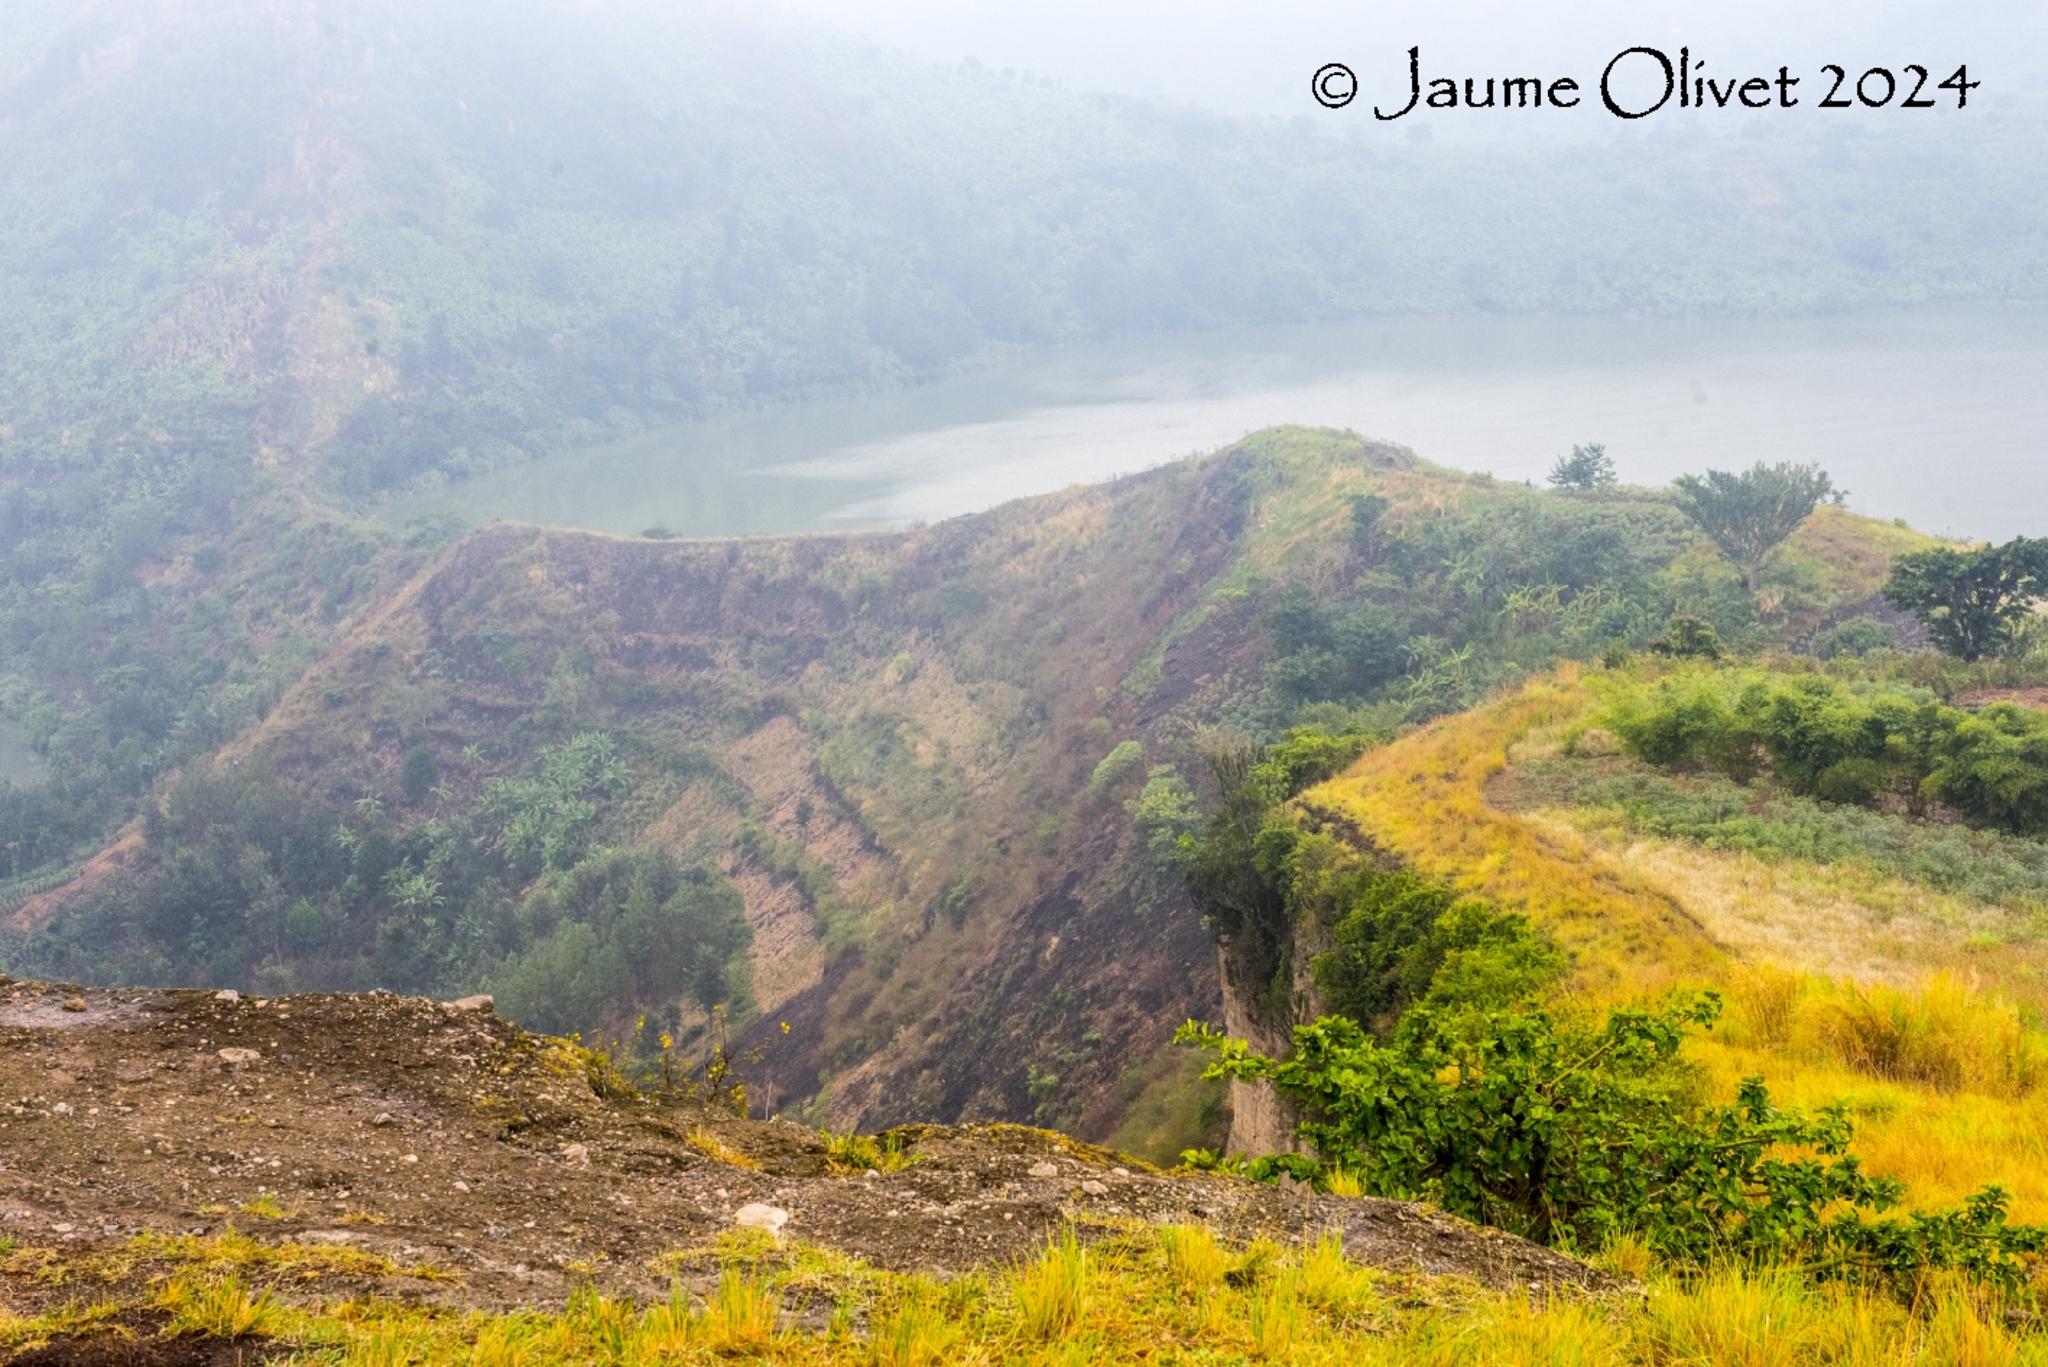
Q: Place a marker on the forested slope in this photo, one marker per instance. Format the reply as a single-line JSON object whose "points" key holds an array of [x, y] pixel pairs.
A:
{"points": [[268, 259], [261, 259], [903, 792]]}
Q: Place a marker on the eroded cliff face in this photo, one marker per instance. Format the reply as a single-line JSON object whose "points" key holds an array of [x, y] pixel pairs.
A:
{"points": [[1261, 1120], [887, 743]]}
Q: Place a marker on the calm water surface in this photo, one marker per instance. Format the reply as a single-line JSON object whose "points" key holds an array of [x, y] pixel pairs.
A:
{"points": [[1933, 415]]}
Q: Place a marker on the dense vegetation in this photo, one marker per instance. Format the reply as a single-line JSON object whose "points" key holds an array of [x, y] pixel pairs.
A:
{"points": [[1827, 739], [1437, 610], [264, 883], [1576, 1134], [1977, 602]]}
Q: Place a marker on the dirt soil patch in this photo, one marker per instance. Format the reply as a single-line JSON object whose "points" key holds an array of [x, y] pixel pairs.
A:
{"points": [[478, 1160], [141, 1340], [2018, 697]]}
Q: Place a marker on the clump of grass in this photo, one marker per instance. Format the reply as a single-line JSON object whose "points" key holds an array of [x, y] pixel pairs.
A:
{"points": [[233, 1251], [1942, 1034], [865, 1152], [667, 1329], [915, 1330], [511, 1341], [597, 1063], [264, 1208], [1764, 1003], [1626, 1255], [1735, 1320], [1194, 1259], [1330, 1281], [1275, 1319], [1256, 1262], [1052, 1292], [743, 1315], [1520, 1332], [604, 1322], [1969, 1330], [1341, 1181], [718, 1151], [384, 1346], [224, 1307]]}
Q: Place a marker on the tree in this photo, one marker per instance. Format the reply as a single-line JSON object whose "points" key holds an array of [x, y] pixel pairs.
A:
{"points": [[1972, 602], [1167, 815], [1367, 513], [1687, 637], [1749, 515], [1587, 467], [418, 775]]}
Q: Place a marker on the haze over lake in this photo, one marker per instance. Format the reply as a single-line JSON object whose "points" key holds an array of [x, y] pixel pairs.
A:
{"points": [[1933, 415]]}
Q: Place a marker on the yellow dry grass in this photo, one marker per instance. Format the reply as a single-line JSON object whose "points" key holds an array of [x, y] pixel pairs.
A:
{"points": [[1843, 985], [1166, 1296], [1839, 920], [1423, 800]]}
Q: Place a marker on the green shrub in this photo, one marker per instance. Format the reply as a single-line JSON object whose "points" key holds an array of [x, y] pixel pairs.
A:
{"points": [[1846, 744], [1116, 766], [1575, 1133], [1166, 815], [1687, 637], [1857, 636], [1994, 767], [1855, 781], [1688, 724], [1400, 939], [418, 775]]}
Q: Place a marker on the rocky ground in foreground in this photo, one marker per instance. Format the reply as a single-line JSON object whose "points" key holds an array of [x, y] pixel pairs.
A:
{"points": [[472, 1164]]}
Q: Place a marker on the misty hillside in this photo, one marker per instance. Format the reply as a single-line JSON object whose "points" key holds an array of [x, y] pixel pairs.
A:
{"points": [[958, 900], [915, 795], [260, 260], [384, 240]]}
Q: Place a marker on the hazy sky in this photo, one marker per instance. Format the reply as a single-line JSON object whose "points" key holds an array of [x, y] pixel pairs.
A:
{"points": [[1258, 57]]}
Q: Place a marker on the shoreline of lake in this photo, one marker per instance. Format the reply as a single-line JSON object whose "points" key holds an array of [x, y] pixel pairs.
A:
{"points": [[1878, 398]]}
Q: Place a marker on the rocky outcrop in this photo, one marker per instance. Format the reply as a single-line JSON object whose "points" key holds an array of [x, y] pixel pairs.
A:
{"points": [[423, 1133], [1261, 1121]]}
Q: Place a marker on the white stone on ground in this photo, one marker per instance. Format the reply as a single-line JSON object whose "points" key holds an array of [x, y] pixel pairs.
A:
{"points": [[755, 1215]]}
